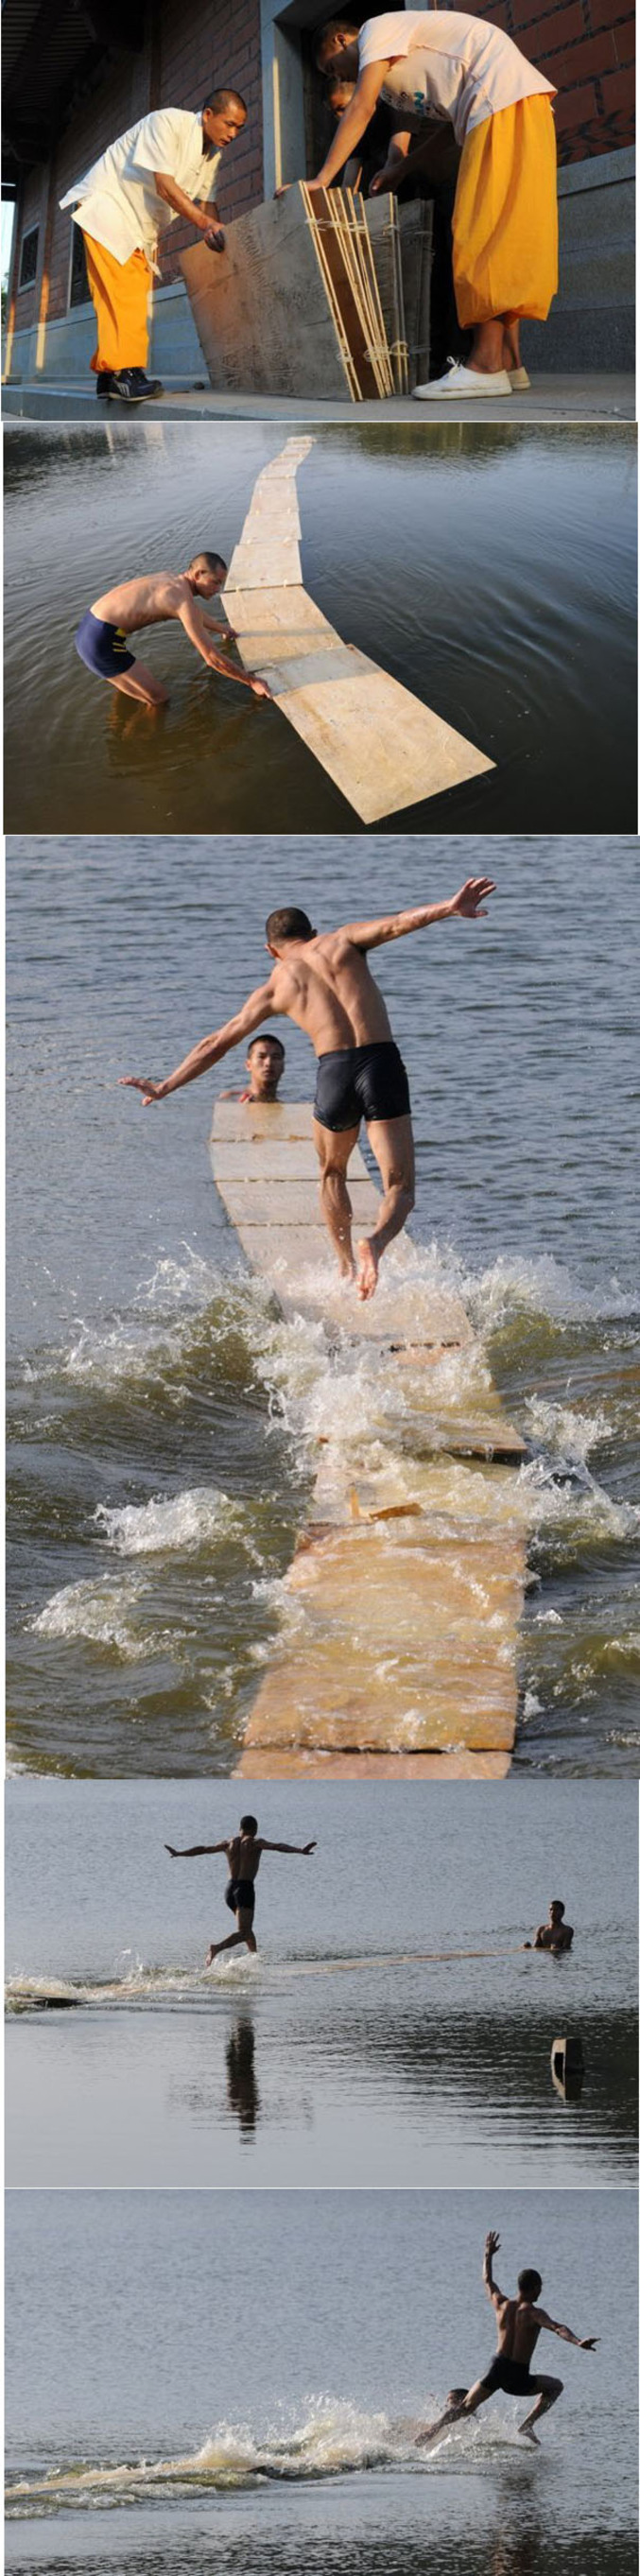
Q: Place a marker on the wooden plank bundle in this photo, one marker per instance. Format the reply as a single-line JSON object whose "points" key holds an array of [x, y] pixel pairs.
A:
{"points": [[308, 296], [380, 745], [405, 1588]]}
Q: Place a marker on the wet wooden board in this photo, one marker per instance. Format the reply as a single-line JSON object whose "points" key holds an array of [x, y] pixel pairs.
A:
{"points": [[286, 1765], [404, 1595], [382, 748]]}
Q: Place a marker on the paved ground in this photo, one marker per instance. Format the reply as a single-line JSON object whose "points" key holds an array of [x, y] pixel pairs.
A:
{"points": [[552, 398]]}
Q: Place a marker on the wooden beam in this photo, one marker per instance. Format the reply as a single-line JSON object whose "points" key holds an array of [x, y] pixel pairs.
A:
{"points": [[382, 748], [406, 1585]]}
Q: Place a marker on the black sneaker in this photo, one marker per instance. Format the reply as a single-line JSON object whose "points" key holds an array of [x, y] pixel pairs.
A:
{"points": [[131, 385], [104, 384]]}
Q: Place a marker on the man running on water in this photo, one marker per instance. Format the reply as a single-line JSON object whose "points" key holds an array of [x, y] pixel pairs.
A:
{"points": [[244, 1854], [151, 600], [323, 983], [519, 2323]]}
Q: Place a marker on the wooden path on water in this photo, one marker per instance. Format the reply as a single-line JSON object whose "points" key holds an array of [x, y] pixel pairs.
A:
{"points": [[381, 746], [406, 1584]]}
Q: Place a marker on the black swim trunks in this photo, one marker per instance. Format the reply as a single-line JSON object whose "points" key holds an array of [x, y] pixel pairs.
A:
{"points": [[104, 648], [240, 1896], [513, 2376], [361, 1082]]}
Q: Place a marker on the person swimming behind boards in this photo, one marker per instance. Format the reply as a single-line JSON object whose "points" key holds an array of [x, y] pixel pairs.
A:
{"points": [[519, 2323], [554, 1935], [265, 1062], [152, 600], [244, 1853]]}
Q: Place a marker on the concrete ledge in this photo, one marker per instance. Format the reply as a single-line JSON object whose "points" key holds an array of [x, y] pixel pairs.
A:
{"points": [[552, 399]]}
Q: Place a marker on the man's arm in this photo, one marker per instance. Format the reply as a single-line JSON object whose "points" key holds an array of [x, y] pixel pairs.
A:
{"points": [[584, 2343], [198, 628], [204, 218], [492, 2246], [302, 1848], [352, 126], [261, 1005], [195, 1851], [469, 903]]}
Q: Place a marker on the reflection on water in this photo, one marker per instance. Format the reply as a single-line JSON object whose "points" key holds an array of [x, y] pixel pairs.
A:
{"points": [[491, 571], [242, 2088]]}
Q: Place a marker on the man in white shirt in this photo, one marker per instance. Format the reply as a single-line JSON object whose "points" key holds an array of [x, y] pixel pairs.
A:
{"points": [[165, 166], [441, 63]]}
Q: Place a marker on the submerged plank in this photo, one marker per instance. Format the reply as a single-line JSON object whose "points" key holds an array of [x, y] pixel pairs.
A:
{"points": [[402, 1602], [382, 748]]}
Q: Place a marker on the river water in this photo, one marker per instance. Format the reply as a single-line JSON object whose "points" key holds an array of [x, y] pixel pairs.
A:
{"points": [[156, 2073], [163, 1422], [490, 569], [228, 2381]]}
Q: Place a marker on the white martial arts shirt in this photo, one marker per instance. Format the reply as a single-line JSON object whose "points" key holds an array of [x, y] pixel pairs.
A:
{"points": [[118, 204], [452, 66]]}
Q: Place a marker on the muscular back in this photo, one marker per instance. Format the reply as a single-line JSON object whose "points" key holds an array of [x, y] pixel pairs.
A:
{"points": [[244, 1855], [146, 602], [326, 987], [518, 2329]]}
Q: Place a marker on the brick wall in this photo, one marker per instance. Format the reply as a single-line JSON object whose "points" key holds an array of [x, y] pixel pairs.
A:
{"points": [[588, 48], [197, 45]]}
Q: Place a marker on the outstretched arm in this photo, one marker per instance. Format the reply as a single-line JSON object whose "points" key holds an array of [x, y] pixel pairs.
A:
{"points": [[352, 126], [195, 1851], [492, 2246], [584, 2343], [260, 1006], [469, 903], [303, 1848], [198, 629]]}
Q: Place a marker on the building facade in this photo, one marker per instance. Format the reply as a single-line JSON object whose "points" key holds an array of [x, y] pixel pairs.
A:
{"points": [[75, 77]]}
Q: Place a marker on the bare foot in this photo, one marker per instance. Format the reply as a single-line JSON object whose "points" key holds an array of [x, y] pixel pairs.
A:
{"points": [[212, 1954], [368, 1272], [347, 1265], [530, 2437]]}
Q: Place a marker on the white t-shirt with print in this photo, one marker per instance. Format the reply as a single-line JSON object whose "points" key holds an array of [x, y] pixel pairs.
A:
{"points": [[116, 200], [450, 66]]}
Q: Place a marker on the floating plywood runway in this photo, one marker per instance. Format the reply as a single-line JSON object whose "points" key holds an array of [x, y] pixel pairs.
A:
{"points": [[380, 745], [399, 1648]]}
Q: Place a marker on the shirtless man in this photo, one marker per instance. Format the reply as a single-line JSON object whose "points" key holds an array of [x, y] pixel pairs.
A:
{"points": [[244, 1854], [323, 983], [265, 1061], [555, 1935], [101, 640], [519, 2323]]}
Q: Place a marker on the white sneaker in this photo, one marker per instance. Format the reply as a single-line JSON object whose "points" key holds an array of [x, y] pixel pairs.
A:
{"points": [[461, 380], [519, 380]]}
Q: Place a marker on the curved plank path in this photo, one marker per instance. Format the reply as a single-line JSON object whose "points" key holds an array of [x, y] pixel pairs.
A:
{"points": [[378, 743], [406, 1585]]}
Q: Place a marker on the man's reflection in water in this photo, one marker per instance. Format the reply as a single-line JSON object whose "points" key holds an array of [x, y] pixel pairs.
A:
{"points": [[242, 2090]]}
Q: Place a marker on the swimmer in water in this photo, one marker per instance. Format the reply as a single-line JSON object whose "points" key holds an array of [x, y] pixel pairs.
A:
{"points": [[554, 1935], [519, 2322], [265, 1067], [152, 600], [243, 1853]]}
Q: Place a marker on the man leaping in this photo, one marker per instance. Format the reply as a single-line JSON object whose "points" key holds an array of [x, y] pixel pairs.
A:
{"points": [[323, 983], [519, 2322]]}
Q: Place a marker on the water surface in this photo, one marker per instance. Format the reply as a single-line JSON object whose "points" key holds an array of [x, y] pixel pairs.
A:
{"points": [[164, 1423], [491, 570], [340, 2055], [223, 2374]]}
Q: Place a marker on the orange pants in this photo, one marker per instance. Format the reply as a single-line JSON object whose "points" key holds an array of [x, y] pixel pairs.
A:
{"points": [[505, 217], [119, 291]]}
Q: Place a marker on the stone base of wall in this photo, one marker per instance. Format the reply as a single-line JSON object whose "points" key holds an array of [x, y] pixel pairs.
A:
{"points": [[592, 322]]}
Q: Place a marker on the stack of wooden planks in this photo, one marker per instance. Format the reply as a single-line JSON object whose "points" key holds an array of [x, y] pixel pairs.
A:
{"points": [[399, 1653], [316, 293], [378, 743]]}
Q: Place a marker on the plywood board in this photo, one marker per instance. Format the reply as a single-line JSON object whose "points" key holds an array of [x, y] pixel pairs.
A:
{"points": [[261, 309], [404, 1594], [284, 1764]]}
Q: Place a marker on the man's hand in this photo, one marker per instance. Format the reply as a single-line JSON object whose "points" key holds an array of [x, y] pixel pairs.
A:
{"points": [[174, 1855], [259, 688], [386, 181], [492, 2244], [151, 1091], [306, 1849], [588, 2343], [214, 238], [471, 900]]}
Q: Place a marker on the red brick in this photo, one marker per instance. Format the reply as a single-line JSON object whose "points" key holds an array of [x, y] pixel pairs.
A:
{"points": [[575, 106], [625, 41], [566, 27], [618, 91]]}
